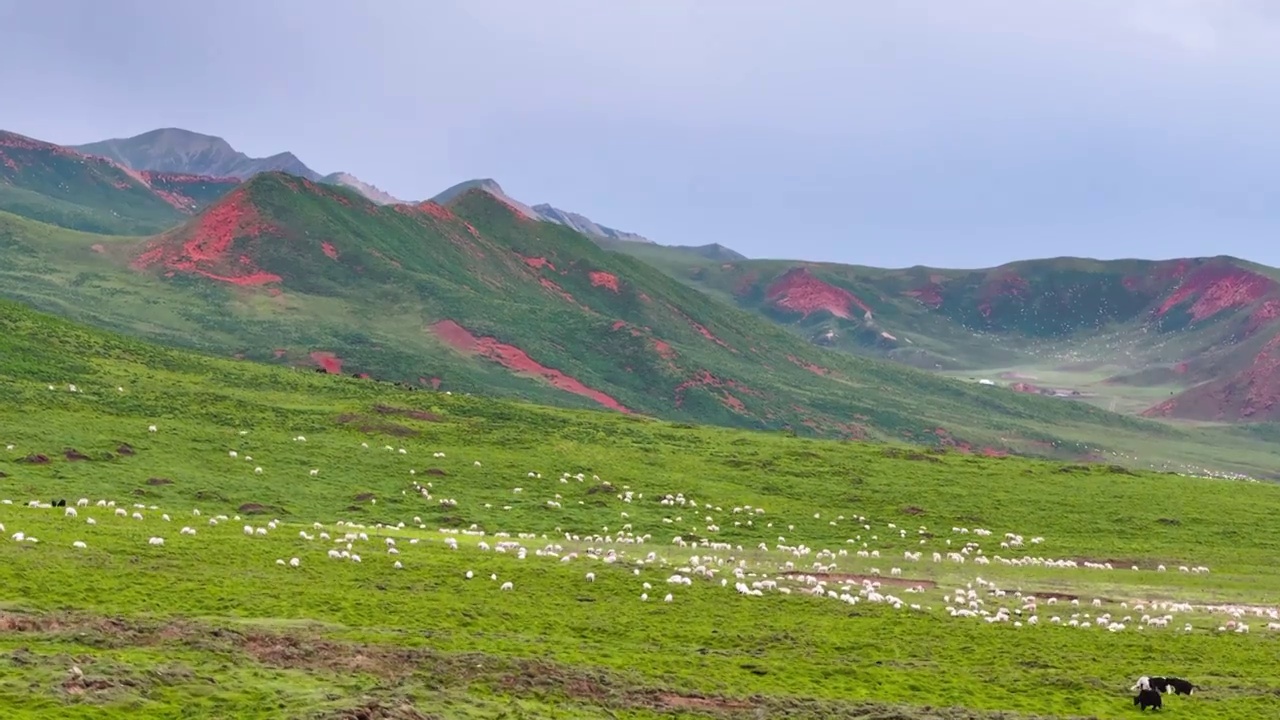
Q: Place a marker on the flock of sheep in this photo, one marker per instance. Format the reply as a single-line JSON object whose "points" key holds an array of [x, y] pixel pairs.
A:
{"points": [[783, 567]]}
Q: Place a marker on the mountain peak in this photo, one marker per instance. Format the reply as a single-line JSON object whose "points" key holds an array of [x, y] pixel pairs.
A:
{"points": [[586, 225], [372, 192], [175, 150], [184, 151], [490, 186]]}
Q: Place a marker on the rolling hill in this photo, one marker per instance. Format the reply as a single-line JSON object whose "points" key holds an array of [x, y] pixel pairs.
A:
{"points": [[472, 296], [1191, 338]]}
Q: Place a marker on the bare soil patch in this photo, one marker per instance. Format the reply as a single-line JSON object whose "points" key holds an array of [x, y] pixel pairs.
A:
{"points": [[256, 509], [126, 449], [511, 676], [73, 454], [406, 412], [375, 426], [883, 580], [374, 710], [36, 459], [159, 481]]}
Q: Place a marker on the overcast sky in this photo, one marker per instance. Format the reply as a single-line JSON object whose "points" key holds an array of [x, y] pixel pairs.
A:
{"points": [[879, 132]]}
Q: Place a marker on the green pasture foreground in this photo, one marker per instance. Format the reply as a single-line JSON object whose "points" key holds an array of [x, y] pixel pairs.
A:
{"points": [[209, 625]]}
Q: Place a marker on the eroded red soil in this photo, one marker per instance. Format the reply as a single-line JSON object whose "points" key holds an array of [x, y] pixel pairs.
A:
{"points": [[799, 291], [516, 360], [604, 279], [1252, 394], [537, 262], [331, 363], [702, 378], [205, 246], [815, 369], [1214, 288]]}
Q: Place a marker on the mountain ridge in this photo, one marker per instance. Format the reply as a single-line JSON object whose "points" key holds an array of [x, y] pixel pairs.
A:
{"points": [[175, 150], [186, 152]]}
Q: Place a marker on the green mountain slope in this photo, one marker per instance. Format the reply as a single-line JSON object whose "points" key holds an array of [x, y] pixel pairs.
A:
{"points": [[63, 187], [1191, 338], [473, 297], [101, 622]]}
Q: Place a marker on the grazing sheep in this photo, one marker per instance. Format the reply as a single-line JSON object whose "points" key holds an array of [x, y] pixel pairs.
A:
{"points": [[1178, 685], [507, 586], [79, 545]]}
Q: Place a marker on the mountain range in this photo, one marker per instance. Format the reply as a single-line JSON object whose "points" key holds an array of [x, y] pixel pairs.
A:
{"points": [[474, 291], [174, 151]]}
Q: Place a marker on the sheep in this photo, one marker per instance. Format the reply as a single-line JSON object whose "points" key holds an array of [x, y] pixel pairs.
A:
{"points": [[79, 545], [507, 586], [294, 562], [155, 541]]}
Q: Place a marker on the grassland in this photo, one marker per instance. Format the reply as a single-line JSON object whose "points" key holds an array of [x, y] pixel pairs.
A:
{"points": [[209, 625]]}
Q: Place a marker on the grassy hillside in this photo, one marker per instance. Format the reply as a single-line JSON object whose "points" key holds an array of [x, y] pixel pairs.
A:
{"points": [[1128, 333], [210, 625], [474, 298], [56, 185], [60, 186]]}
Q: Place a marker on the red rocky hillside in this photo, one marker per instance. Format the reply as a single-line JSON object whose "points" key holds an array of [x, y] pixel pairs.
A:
{"points": [[1203, 327], [474, 296]]}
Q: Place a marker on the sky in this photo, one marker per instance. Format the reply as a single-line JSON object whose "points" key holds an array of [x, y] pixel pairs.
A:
{"points": [[949, 133]]}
